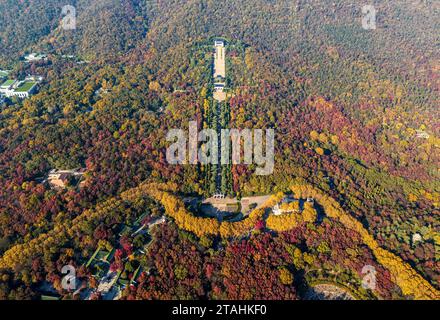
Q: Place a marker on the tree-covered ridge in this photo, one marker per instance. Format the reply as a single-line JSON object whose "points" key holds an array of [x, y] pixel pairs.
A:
{"points": [[102, 27]]}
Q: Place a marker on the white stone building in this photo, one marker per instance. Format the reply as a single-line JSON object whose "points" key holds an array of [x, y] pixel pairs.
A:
{"points": [[21, 89]]}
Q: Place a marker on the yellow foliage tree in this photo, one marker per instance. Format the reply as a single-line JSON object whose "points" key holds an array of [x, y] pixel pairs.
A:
{"points": [[285, 276]]}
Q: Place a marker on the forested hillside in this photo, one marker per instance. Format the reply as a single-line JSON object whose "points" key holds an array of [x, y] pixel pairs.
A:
{"points": [[103, 28], [355, 113]]}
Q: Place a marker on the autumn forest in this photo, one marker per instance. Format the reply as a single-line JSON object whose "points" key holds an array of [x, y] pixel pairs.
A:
{"points": [[84, 176]]}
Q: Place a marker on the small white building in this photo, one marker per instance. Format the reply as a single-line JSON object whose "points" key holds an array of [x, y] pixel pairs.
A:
{"points": [[34, 78], [278, 209], [4, 73], [59, 179], [422, 134], [34, 57], [416, 237]]}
